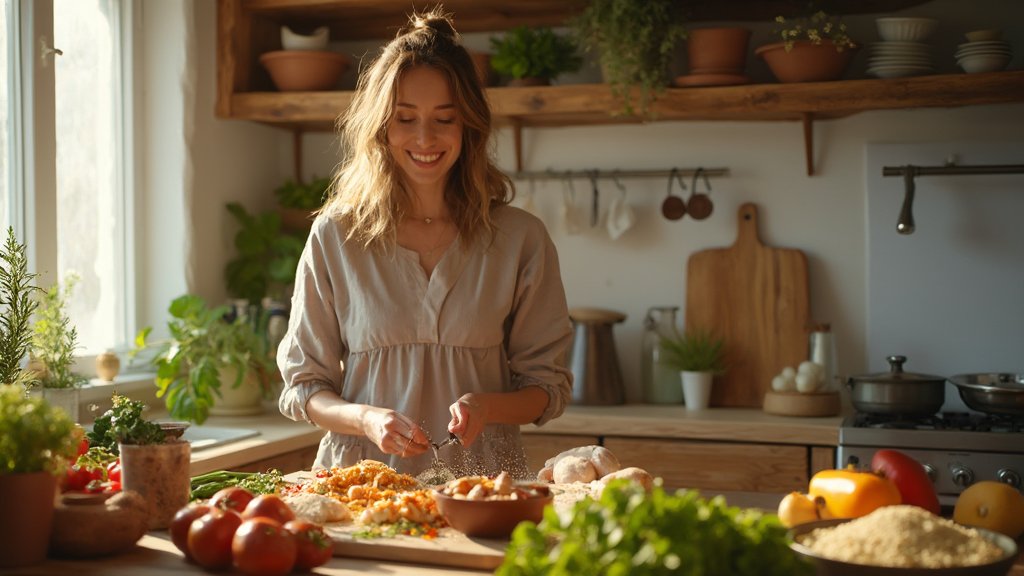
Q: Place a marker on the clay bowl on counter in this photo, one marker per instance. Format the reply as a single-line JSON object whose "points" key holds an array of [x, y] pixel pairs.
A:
{"points": [[492, 518]]}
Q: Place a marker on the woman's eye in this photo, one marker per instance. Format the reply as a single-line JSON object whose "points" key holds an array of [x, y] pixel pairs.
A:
{"points": [[446, 120], [406, 120]]}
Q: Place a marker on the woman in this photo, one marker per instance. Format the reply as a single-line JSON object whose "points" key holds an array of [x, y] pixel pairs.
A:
{"points": [[425, 306]]}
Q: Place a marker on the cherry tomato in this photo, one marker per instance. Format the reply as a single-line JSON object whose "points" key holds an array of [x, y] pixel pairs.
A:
{"points": [[910, 478], [83, 446], [262, 547], [180, 524], [231, 498], [114, 471], [81, 478], [209, 537], [313, 547], [268, 506]]}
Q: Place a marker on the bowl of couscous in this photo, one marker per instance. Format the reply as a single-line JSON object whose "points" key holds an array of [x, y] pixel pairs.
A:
{"points": [[902, 541]]}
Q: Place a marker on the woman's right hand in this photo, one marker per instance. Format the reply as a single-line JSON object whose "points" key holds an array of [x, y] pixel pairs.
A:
{"points": [[393, 432]]}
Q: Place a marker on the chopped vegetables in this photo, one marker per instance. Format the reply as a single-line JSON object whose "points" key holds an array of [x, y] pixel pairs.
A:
{"points": [[206, 485]]}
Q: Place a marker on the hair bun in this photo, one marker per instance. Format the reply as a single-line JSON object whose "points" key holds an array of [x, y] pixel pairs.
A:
{"points": [[436, 20]]}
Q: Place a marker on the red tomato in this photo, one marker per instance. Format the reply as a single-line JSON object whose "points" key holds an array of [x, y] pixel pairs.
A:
{"points": [[82, 478], [83, 446], [268, 506], [181, 522], [314, 547], [231, 498], [114, 471], [910, 477], [262, 547], [209, 537]]}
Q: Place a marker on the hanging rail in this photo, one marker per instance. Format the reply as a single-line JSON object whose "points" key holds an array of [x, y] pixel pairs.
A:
{"points": [[905, 223], [613, 174]]}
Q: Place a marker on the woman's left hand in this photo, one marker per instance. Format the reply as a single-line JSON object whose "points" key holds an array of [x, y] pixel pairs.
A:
{"points": [[469, 416]]}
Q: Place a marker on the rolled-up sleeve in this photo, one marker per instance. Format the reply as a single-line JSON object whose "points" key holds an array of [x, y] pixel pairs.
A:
{"points": [[310, 354], [540, 331]]}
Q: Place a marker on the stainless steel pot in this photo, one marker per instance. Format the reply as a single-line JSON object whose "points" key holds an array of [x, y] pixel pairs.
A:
{"points": [[992, 393], [897, 392]]}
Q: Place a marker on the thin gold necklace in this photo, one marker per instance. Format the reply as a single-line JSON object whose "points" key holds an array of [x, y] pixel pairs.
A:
{"points": [[440, 237]]}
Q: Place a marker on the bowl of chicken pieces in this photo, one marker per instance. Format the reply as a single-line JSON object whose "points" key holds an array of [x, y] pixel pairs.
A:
{"points": [[487, 507]]}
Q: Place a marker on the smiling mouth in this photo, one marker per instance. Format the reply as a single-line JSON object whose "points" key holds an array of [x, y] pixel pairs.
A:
{"points": [[425, 158]]}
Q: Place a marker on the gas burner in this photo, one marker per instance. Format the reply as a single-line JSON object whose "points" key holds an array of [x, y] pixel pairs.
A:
{"points": [[898, 422], [954, 421]]}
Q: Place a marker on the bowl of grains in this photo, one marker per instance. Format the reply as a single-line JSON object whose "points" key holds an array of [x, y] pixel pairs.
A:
{"points": [[905, 541]]}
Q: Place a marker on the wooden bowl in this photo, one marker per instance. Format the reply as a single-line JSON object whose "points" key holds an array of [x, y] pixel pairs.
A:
{"points": [[491, 518], [304, 70], [808, 404]]}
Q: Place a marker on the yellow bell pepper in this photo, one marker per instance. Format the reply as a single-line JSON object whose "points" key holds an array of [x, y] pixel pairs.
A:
{"points": [[850, 493]]}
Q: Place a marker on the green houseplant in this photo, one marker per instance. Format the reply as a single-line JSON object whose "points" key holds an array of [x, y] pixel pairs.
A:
{"points": [[17, 303], [533, 55], [267, 256], [634, 40], [698, 355], [54, 342], [814, 48], [204, 351]]}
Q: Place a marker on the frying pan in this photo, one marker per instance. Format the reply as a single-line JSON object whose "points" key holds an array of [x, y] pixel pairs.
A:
{"points": [[994, 393]]}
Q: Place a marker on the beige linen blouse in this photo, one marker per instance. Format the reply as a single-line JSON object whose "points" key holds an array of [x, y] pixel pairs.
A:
{"points": [[370, 325]]}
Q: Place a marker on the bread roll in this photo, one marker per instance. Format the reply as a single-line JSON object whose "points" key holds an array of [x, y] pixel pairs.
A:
{"points": [[574, 469], [638, 475]]}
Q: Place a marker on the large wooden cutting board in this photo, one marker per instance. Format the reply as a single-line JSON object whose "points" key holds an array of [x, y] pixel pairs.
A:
{"points": [[756, 298]]}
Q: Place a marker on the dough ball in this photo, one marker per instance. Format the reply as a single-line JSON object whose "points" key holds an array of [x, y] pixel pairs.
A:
{"points": [[574, 469], [546, 474], [584, 452], [604, 461], [638, 475]]}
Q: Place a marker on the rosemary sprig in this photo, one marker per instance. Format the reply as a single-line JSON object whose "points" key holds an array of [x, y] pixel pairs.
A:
{"points": [[17, 305]]}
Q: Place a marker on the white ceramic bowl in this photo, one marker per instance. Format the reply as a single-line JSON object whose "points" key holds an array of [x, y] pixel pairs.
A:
{"points": [[315, 41], [975, 63], [982, 35], [905, 29]]}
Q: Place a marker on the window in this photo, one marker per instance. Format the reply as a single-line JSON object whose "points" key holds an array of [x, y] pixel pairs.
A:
{"points": [[67, 162]]}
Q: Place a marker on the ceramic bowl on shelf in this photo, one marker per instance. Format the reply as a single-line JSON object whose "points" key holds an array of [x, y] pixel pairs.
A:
{"points": [[983, 35], [976, 63], [906, 29], [291, 40], [304, 70]]}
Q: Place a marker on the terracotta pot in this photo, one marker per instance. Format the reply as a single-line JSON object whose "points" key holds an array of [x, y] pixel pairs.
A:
{"points": [[27, 517], [717, 50], [304, 70], [160, 472], [806, 62], [529, 81]]}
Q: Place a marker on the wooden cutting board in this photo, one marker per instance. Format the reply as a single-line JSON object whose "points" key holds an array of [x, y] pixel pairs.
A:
{"points": [[756, 298]]}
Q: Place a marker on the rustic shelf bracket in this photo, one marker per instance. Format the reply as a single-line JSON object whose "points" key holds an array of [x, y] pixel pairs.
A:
{"points": [[807, 119], [297, 152], [517, 135]]}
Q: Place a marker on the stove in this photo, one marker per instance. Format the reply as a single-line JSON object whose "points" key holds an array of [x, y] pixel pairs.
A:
{"points": [[956, 448]]}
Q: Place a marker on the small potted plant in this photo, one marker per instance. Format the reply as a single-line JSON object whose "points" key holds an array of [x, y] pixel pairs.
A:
{"points": [[635, 41], [54, 341], [211, 363], [812, 49], [267, 257], [699, 355], [533, 56], [297, 201]]}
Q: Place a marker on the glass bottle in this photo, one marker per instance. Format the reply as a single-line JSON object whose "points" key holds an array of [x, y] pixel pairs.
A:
{"points": [[822, 350], [661, 382]]}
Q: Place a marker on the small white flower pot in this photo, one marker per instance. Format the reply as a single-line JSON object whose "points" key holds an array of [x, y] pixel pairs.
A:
{"points": [[696, 389]]}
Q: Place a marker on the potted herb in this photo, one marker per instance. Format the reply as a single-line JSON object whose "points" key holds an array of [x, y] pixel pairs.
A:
{"points": [[635, 41], [533, 56], [36, 440], [211, 363], [812, 49], [54, 341], [698, 355], [267, 256], [296, 202]]}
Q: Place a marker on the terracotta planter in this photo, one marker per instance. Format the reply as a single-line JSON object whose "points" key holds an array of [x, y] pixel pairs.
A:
{"points": [[160, 472], [806, 62], [717, 50], [27, 517], [305, 70]]}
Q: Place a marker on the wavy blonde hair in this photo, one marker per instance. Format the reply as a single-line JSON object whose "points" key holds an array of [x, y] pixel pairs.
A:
{"points": [[367, 190]]}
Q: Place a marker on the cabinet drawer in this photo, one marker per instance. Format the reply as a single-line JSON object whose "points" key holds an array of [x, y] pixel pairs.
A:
{"points": [[540, 447], [716, 465]]}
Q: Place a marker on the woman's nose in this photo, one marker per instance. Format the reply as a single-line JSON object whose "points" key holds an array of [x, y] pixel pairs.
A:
{"points": [[424, 133]]}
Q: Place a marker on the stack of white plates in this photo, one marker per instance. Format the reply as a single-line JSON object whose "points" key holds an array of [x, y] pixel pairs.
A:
{"points": [[892, 59], [984, 56]]}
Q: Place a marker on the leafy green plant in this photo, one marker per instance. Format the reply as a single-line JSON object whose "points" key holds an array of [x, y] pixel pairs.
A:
{"points": [[815, 28], [18, 305], [267, 256], [525, 52], [627, 531], [124, 423], [695, 351], [309, 196], [54, 339], [202, 342], [34, 436], [635, 41]]}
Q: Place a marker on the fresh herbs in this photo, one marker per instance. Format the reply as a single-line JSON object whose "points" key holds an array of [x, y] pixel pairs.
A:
{"points": [[124, 423], [17, 306], [695, 351], [814, 29], [206, 485], [526, 52], [54, 339], [34, 436], [629, 532], [403, 527]]}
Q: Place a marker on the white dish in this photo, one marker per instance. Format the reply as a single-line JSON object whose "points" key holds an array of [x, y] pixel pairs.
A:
{"points": [[315, 41], [898, 72], [986, 44], [900, 52], [905, 29], [900, 59], [983, 63], [982, 35], [908, 45]]}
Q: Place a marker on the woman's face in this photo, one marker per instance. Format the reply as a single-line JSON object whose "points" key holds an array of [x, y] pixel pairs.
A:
{"points": [[425, 131]]}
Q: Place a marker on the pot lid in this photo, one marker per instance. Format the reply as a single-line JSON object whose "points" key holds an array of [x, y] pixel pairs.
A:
{"points": [[897, 375]]}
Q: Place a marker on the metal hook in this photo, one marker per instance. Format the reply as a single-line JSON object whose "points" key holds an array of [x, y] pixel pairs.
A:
{"points": [[595, 200], [698, 173], [618, 184], [905, 224], [674, 175]]}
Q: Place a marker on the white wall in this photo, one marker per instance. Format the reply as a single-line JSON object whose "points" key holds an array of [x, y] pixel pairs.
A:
{"points": [[825, 215]]}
